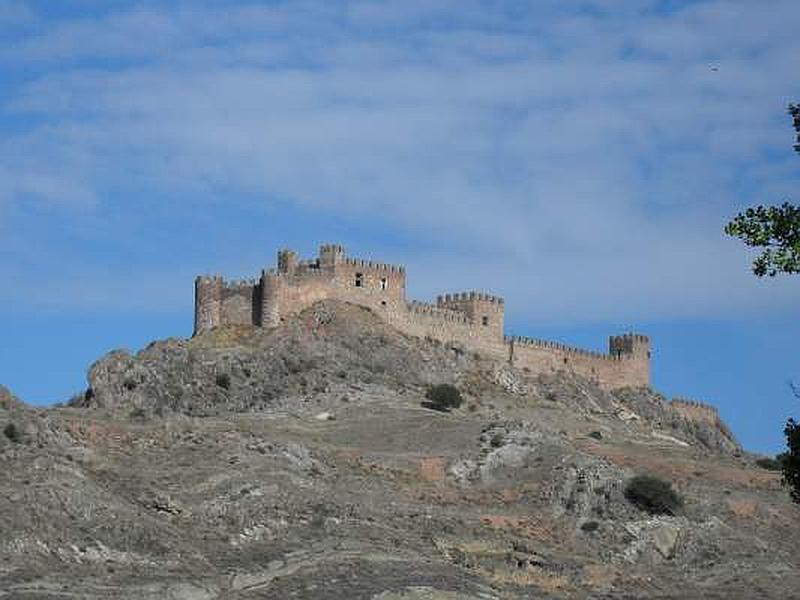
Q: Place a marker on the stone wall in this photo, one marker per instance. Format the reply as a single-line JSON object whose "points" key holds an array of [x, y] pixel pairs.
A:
{"points": [[607, 370], [696, 411], [473, 319]]}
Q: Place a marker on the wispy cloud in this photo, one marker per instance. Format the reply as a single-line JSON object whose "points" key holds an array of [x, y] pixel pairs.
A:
{"points": [[587, 157]]}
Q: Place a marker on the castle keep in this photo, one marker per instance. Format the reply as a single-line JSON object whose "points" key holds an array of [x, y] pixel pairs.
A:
{"points": [[471, 318]]}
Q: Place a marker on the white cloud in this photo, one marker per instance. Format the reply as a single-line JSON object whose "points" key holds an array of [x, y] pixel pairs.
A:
{"points": [[597, 158]]}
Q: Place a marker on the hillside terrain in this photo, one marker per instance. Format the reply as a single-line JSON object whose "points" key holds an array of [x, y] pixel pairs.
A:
{"points": [[301, 462]]}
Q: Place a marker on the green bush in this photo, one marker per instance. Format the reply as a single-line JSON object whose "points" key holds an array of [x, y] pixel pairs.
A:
{"points": [[443, 397], [13, 433], [790, 463], [771, 464], [653, 495], [590, 526]]}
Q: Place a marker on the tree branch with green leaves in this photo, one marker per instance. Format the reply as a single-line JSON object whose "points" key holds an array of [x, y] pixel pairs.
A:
{"points": [[776, 229]]}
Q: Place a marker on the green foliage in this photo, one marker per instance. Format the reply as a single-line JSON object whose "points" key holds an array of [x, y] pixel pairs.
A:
{"points": [[794, 111], [138, 414], [769, 463], [777, 230], [791, 459], [13, 433], [443, 397], [590, 526], [653, 495]]}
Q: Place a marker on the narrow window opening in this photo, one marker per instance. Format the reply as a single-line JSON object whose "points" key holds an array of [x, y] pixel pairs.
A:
{"points": [[565, 360], [384, 283], [359, 280], [485, 320]]}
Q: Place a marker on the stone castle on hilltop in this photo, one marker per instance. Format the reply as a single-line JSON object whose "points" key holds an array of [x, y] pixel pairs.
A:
{"points": [[470, 318]]}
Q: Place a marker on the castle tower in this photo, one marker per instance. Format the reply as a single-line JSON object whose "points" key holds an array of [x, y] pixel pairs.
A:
{"points": [[271, 297], [330, 255], [632, 345], [207, 303], [287, 261], [484, 310], [634, 349]]}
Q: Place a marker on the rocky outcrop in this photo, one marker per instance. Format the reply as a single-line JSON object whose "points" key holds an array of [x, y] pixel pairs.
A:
{"points": [[654, 409], [322, 353]]}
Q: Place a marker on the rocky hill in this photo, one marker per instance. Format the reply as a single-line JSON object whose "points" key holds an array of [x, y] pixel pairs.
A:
{"points": [[302, 462]]}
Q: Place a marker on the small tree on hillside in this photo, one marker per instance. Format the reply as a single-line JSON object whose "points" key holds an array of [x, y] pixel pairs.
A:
{"points": [[791, 459], [443, 397]]}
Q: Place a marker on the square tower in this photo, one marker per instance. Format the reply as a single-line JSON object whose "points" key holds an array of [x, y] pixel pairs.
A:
{"points": [[486, 312]]}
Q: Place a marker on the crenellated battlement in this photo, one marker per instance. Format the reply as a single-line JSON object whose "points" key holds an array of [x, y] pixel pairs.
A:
{"points": [[368, 264], [558, 346], [472, 318], [468, 296], [423, 308], [695, 409]]}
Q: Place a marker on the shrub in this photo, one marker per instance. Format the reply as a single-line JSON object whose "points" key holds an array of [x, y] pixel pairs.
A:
{"points": [[138, 414], [771, 464], [223, 380], [443, 397], [13, 433], [653, 495], [790, 464], [590, 526], [497, 440]]}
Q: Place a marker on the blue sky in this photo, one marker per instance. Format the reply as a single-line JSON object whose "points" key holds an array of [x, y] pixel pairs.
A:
{"points": [[579, 158]]}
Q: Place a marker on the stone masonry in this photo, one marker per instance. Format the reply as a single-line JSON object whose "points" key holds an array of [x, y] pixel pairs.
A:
{"points": [[469, 318]]}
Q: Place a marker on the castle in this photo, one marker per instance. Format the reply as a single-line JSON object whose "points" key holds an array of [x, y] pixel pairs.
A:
{"points": [[470, 318]]}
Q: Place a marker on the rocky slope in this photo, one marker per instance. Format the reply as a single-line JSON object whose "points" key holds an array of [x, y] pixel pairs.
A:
{"points": [[299, 463]]}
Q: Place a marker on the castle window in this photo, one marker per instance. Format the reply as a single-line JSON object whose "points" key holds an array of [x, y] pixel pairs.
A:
{"points": [[485, 320], [384, 283], [359, 280]]}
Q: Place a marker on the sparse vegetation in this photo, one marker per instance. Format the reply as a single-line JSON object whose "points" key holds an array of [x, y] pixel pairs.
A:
{"points": [[653, 495], [497, 440], [12, 432], [791, 459], [443, 397], [590, 526], [771, 464], [138, 414]]}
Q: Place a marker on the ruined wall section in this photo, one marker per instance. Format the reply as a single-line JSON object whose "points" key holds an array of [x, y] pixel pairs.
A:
{"points": [[297, 284], [239, 302], [207, 303], [451, 326], [696, 411], [700, 412], [609, 371]]}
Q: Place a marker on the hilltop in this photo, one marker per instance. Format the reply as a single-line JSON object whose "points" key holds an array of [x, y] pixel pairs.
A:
{"points": [[300, 462]]}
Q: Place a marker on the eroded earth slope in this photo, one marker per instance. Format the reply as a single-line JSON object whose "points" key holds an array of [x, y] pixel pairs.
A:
{"points": [[299, 463]]}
